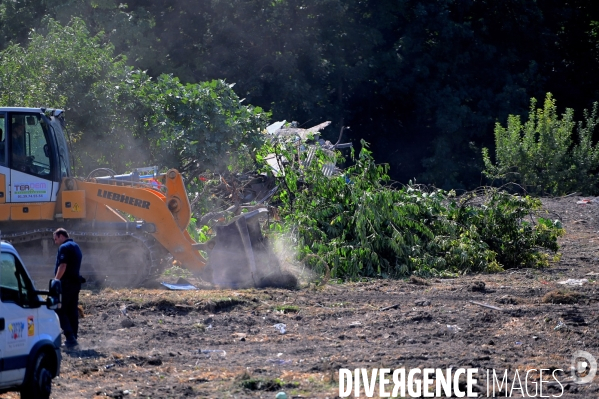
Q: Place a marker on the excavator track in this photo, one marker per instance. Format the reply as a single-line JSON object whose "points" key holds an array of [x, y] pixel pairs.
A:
{"points": [[110, 259]]}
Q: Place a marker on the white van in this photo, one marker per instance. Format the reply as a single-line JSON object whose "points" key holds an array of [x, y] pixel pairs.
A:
{"points": [[29, 330]]}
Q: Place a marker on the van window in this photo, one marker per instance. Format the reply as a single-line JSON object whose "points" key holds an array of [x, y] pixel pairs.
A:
{"points": [[15, 286]]}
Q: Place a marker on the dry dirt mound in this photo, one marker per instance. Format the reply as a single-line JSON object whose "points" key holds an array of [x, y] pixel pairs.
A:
{"points": [[218, 344]]}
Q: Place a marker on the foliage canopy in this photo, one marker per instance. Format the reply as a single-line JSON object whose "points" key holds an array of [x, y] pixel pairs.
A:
{"points": [[422, 81], [119, 117]]}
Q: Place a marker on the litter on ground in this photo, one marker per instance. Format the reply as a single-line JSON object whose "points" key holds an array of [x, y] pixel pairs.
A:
{"points": [[573, 281]]}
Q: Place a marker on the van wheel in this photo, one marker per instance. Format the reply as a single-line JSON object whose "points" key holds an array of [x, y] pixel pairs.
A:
{"points": [[39, 383]]}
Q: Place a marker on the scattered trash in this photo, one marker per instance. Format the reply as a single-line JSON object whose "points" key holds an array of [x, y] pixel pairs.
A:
{"points": [[560, 325], [573, 281], [271, 129], [281, 395], [180, 286], [484, 305], [518, 343], [355, 324], [279, 362], [126, 392], [586, 201], [301, 137], [390, 307], [281, 328], [109, 366], [123, 310], [209, 352], [453, 328]]}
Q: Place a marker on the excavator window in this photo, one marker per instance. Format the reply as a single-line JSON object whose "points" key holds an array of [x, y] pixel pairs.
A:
{"points": [[28, 139], [2, 141]]}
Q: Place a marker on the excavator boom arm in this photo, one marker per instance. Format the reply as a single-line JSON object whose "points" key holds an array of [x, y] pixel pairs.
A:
{"points": [[169, 213]]}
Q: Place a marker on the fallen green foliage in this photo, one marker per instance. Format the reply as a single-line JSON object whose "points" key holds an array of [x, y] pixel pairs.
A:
{"points": [[361, 226]]}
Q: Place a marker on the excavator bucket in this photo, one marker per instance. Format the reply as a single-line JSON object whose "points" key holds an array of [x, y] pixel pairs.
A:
{"points": [[242, 258]]}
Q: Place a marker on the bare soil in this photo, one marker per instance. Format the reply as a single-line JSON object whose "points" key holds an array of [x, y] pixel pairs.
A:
{"points": [[156, 343]]}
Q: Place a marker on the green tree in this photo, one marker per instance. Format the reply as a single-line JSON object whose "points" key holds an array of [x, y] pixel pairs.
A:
{"points": [[424, 81], [67, 68], [121, 118], [194, 127], [549, 154], [17, 18]]}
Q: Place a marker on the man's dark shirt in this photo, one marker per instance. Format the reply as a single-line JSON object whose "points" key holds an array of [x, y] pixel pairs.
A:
{"points": [[69, 253]]}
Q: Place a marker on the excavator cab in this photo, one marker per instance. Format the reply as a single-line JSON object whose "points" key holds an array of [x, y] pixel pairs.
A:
{"points": [[33, 156]]}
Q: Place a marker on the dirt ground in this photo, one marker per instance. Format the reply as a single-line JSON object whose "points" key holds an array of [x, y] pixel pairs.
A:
{"points": [[157, 343]]}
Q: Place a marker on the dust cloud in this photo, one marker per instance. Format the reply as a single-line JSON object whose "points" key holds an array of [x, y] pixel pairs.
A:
{"points": [[285, 249]]}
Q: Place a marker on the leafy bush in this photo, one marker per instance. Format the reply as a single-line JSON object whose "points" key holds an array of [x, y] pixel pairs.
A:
{"points": [[359, 225], [541, 155]]}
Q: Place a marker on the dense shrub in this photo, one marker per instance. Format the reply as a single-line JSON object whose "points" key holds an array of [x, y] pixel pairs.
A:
{"points": [[544, 154]]}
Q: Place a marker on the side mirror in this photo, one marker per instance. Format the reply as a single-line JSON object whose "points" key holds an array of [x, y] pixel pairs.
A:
{"points": [[46, 151], [54, 298]]}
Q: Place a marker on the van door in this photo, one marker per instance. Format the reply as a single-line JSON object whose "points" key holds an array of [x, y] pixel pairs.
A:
{"points": [[20, 307]]}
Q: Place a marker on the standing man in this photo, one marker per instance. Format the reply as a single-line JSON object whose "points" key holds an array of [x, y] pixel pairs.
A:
{"points": [[68, 263]]}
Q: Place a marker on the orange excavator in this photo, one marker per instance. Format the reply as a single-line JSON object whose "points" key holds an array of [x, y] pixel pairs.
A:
{"points": [[130, 226]]}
